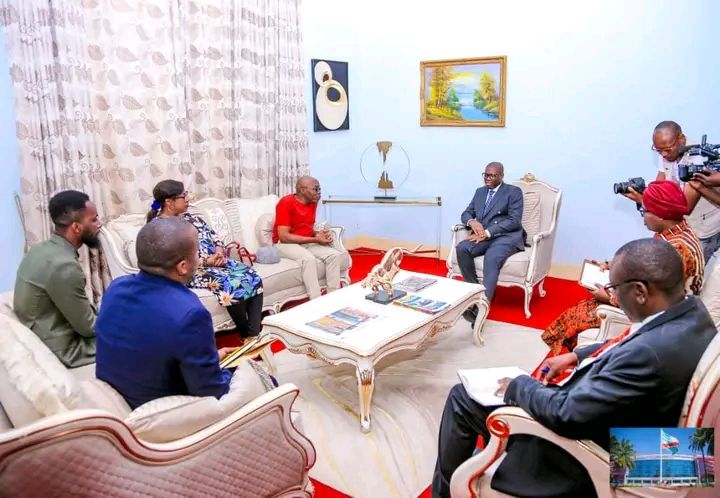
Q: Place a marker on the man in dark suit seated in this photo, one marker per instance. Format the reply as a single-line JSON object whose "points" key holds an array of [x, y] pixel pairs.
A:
{"points": [[155, 338], [638, 379], [494, 216]]}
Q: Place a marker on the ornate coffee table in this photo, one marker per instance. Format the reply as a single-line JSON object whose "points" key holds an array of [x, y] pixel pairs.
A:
{"points": [[395, 328]]}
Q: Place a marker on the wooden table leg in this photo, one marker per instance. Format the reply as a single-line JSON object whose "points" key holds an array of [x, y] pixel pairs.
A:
{"points": [[366, 383]]}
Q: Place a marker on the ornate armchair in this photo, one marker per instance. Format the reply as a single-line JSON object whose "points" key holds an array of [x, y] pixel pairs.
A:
{"points": [[701, 409], [528, 268], [254, 452]]}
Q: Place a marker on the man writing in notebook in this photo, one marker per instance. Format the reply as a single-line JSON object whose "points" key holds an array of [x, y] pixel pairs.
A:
{"points": [[155, 338], [638, 379]]}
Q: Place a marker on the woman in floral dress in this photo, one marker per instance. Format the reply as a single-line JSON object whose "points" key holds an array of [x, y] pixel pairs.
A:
{"points": [[235, 285]]}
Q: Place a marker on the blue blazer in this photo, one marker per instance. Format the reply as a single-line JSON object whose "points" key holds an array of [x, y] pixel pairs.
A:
{"points": [[502, 218], [155, 339], [641, 382]]}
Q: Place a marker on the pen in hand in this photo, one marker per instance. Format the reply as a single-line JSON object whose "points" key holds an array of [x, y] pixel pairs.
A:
{"points": [[543, 373]]}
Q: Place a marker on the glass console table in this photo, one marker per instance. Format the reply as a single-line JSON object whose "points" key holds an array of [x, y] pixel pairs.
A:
{"points": [[336, 200]]}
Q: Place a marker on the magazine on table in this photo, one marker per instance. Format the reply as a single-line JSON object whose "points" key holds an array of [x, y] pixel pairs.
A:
{"points": [[420, 303], [341, 320], [482, 383], [414, 284]]}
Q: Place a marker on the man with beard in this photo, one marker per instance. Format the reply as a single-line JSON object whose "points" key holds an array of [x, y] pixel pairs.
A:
{"points": [[50, 296]]}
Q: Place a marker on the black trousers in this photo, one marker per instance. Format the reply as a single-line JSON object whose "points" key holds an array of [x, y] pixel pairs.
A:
{"points": [[533, 467], [247, 315]]}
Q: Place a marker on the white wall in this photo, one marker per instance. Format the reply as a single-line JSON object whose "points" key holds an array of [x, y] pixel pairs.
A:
{"points": [[587, 82], [11, 245]]}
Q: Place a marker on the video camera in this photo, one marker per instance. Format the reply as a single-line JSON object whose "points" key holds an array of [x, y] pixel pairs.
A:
{"points": [[703, 156]]}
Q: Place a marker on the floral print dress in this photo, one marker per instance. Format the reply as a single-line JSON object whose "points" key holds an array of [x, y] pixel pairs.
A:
{"points": [[230, 283]]}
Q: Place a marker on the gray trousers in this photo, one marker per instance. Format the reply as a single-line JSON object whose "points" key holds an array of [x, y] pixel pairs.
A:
{"points": [[710, 245], [307, 255], [496, 252]]}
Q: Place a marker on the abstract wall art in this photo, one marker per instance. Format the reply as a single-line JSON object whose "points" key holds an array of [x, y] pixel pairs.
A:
{"points": [[331, 109]]}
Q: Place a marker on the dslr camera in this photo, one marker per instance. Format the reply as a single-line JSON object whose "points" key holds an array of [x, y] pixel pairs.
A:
{"points": [[699, 157], [637, 184]]}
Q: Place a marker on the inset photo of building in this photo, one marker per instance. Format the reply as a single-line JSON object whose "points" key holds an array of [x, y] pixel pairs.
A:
{"points": [[662, 457]]}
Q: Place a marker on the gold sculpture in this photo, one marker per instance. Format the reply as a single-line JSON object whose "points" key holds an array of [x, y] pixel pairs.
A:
{"points": [[385, 183], [381, 276]]}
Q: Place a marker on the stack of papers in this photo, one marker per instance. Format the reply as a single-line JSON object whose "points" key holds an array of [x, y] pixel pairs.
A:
{"points": [[481, 383]]}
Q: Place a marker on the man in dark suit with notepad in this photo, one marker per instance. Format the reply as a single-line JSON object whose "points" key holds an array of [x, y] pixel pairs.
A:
{"points": [[494, 216], [638, 379]]}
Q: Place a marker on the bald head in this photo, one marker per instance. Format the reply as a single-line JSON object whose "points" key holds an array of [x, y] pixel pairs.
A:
{"points": [[168, 247], [307, 189], [670, 126], [648, 276], [667, 140]]}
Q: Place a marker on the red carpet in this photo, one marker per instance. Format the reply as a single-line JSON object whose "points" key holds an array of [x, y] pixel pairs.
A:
{"points": [[507, 306]]}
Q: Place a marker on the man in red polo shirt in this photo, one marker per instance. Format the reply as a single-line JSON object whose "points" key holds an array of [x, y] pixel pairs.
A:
{"points": [[296, 238]]}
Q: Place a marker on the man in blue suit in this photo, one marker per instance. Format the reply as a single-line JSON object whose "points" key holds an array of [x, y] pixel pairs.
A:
{"points": [[637, 379], [154, 336], [494, 216]]}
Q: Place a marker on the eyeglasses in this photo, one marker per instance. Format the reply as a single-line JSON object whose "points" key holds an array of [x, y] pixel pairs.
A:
{"points": [[490, 175], [665, 149], [612, 288], [642, 211], [184, 195], [314, 189]]}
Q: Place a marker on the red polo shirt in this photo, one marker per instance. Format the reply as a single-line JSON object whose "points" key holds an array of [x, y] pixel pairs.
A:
{"points": [[292, 213]]}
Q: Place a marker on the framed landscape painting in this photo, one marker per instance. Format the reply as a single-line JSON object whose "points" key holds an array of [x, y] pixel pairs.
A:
{"points": [[463, 92]]}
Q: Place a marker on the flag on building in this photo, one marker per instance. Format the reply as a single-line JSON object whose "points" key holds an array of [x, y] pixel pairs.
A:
{"points": [[669, 443]]}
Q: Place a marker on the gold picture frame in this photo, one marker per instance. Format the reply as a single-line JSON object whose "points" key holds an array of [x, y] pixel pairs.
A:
{"points": [[463, 92]]}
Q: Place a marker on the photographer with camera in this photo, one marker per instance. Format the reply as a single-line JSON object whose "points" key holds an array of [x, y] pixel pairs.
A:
{"points": [[704, 218], [663, 210]]}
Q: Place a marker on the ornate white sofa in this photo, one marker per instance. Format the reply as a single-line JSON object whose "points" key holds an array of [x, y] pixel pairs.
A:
{"points": [[244, 444], [701, 409], [247, 221], [528, 268]]}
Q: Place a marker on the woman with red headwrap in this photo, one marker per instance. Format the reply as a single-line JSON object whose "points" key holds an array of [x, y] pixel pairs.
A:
{"points": [[663, 210]]}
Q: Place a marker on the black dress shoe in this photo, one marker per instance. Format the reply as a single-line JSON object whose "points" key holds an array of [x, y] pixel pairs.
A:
{"points": [[470, 314]]}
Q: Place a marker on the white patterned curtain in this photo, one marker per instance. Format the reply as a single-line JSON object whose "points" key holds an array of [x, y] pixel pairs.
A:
{"points": [[114, 95]]}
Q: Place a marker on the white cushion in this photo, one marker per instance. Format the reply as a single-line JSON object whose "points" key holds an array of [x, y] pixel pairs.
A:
{"points": [[174, 417], [218, 221], [243, 215], [515, 266], [100, 395], [126, 229], [264, 229], [531, 214], [33, 382]]}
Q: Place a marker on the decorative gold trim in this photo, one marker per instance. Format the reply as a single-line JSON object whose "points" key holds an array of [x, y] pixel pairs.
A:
{"points": [[402, 202], [500, 123], [529, 178]]}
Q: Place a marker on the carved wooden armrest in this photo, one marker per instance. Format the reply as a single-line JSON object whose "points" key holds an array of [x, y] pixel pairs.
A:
{"points": [[512, 420], [612, 322]]}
